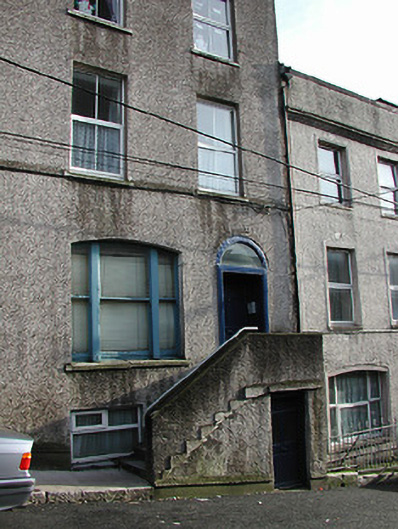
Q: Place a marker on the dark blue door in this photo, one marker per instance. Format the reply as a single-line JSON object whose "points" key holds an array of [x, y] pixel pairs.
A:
{"points": [[288, 439]]}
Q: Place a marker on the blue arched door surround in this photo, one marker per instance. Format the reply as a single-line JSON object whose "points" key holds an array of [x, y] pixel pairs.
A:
{"points": [[242, 287]]}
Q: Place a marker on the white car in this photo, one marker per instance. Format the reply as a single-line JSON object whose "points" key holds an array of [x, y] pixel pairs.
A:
{"points": [[16, 484]]}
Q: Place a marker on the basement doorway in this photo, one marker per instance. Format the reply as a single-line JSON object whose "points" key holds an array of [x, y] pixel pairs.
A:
{"points": [[288, 439], [242, 287]]}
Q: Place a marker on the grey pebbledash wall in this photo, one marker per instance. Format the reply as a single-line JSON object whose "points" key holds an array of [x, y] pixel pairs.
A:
{"points": [[46, 208], [215, 427]]}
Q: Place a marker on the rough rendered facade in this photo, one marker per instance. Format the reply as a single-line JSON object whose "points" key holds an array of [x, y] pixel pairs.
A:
{"points": [[343, 152], [98, 178]]}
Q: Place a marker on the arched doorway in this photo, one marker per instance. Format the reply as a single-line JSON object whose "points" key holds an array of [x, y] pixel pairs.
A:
{"points": [[242, 287]]}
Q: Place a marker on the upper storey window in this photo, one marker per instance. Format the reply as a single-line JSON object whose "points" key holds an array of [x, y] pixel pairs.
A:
{"points": [[217, 148], [106, 9], [97, 124], [212, 27], [388, 182], [333, 184]]}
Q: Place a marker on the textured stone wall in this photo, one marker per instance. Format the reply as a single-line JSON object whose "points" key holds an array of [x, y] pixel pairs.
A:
{"points": [[46, 209], [230, 393], [366, 130]]}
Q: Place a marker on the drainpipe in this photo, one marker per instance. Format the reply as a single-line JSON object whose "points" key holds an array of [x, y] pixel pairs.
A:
{"points": [[285, 78]]}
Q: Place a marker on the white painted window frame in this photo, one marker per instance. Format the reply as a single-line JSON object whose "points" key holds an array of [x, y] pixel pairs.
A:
{"points": [[392, 287], [340, 406], [387, 208], [98, 428], [215, 24], [341, 286], [100, 123], [223, 148]]}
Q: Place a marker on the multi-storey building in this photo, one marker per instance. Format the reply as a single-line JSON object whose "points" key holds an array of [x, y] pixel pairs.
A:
{"points": [[343, 151], [145, 216]]}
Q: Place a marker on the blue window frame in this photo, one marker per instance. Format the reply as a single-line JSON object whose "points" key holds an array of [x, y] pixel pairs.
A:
{"points": [[242, 287], [124, 302]]}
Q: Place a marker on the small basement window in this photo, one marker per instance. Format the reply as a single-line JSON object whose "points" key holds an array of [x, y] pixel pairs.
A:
{"points": [[98, 435]]}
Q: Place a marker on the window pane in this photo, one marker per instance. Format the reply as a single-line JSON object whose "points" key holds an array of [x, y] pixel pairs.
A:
{"points": [[352, 388], [104, 443], [83, 94], [393, 266], [354, 419], [124, 276], [201, 36], [341, 308], [121, 417], [88, 419], [374, 385], [108, 156], [80, 285], [241, 255], [80, 326], [388, 199], [330, 191], [332, 391], [83, 150], [201, 7], [328, 161], [334, 431], [167, 334], [394, 303], [338, 267], [375, 414], [124, 326], [218, 11], [109, 10], [109, 108], [386, 175], [218, 41], [166, 276]]}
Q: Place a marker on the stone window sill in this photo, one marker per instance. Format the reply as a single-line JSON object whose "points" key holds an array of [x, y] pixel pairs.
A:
{"points": [[98, 21], [123, 365]]}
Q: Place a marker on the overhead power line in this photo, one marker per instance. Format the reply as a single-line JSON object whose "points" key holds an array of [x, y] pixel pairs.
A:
{"points": [[198, 132]]}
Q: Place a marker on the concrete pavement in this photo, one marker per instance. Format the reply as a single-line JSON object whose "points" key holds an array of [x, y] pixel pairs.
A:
{"points": [[56, 486]]}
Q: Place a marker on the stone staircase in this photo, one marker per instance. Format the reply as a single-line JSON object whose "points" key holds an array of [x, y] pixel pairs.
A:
{"points": [[205, 431]]}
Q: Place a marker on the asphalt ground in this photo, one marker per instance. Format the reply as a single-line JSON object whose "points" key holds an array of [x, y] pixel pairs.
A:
{"points": [[343, 508]]}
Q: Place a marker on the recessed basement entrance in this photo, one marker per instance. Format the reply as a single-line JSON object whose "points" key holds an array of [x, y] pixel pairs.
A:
{"points": [[288, 439]]}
